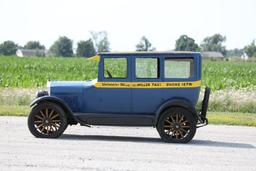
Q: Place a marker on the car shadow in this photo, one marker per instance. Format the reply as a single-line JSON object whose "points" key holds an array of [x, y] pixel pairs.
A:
{"points": [[195, 142], [211, 143], [110, 138]]}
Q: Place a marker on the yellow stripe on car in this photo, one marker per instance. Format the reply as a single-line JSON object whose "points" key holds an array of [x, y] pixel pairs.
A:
{"points": [[186, 84]]}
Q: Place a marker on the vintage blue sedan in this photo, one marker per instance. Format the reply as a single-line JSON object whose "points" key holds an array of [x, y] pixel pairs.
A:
{"points": [[158, 89]]}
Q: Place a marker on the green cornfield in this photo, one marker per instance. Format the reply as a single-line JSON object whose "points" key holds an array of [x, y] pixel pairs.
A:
{"points": [[35, 71], [28, 72], [220, 75]]}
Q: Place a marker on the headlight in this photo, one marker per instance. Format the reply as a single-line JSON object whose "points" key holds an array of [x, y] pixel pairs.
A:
{"points": [[41, 93]]}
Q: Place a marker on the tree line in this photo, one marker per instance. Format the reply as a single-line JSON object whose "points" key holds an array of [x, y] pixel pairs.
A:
{"points": [[99, 42]]}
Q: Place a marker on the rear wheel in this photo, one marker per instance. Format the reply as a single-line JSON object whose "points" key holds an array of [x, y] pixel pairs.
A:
{"points": [[47, 120], [176, 125]]}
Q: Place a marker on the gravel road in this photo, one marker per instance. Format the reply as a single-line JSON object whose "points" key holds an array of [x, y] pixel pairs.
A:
{"points": [[125, 148]]}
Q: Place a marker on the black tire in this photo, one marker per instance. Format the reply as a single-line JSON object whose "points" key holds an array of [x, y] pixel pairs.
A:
{"points": [[176, 125], [47, 120]]}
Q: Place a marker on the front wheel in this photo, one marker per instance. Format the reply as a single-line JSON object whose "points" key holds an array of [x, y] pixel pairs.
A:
{"points": [[176, 125], [47, 120]]}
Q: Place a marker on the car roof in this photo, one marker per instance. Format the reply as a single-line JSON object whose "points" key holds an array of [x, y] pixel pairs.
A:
{"points": [[180, 54], [149, 53]]}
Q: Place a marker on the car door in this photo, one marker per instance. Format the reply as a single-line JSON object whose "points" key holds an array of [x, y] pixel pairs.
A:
{"points": [[111, 97], [146, 72]]}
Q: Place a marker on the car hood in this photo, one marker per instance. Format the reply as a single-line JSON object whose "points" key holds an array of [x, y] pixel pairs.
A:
{"points": [[69, 86]]}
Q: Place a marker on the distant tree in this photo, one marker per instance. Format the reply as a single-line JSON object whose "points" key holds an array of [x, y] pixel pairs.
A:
{"points": [[234, 52], [62, 47], [214, 43], [185, 43], [144, 45], [34, 45], [85, 48], [250, 50], [8, 48], [100, 40]]}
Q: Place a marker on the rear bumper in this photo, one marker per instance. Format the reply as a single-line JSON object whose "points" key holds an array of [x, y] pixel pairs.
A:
{"points": [[202, 119]]}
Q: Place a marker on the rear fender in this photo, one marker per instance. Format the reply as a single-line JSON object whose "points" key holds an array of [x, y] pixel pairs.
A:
{"points": [[175, 103]]}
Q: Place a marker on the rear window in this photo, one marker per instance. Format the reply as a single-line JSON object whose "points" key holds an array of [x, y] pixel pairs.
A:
{"points": [[179, 68]]}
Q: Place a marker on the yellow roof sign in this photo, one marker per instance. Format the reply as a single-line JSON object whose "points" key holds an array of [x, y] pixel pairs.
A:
{"points": [[95, 58]]}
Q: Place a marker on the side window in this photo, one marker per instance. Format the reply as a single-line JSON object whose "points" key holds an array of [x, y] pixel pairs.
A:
{"points": [[179, 68], [147, 68], [115, 67]]}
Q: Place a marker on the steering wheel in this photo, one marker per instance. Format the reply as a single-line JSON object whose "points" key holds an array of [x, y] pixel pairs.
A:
{"points": [[109, 74]]}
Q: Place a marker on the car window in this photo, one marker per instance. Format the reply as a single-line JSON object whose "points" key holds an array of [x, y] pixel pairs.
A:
{"points": [[178, 68], [147, 68], [115, 67]]}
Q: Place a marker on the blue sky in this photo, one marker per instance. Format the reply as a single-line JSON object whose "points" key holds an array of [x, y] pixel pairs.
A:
{"points": [[126, 21]]}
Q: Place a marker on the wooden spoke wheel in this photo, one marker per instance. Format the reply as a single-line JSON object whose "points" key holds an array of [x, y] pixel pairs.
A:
{"points": [[47, 120], [176, 125]]}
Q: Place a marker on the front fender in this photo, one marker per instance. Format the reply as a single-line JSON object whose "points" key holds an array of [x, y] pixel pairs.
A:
{"points": [[47, 98], [58, 101], [52, 99], [174, 103]]}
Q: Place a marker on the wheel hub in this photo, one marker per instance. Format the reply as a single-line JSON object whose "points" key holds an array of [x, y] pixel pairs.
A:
{"points": [[177, 126], [46, 121]]}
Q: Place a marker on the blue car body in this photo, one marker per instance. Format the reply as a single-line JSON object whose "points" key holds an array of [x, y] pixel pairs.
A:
{"points": [[131, 100]]}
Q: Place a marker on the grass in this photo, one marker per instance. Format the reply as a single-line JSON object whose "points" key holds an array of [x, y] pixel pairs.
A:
{"points": [[14, 110], [231, 100], [227, 118]]}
